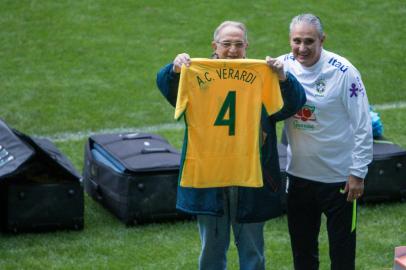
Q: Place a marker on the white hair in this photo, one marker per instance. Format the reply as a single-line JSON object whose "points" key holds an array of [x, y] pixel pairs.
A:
{"points": [[309, 19], [239, 25]]}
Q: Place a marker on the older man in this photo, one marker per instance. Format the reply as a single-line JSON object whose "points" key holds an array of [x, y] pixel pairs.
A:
{"points": [[243, 209], [329, 147]]}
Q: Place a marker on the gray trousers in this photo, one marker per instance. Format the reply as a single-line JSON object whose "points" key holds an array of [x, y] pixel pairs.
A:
{"points": [[215, 238]]}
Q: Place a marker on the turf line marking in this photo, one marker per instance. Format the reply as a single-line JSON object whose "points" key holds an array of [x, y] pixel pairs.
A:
{"points": [[390, 106], [77, 136]]}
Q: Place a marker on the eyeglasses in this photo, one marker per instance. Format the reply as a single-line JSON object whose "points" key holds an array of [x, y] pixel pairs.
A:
{"points": [[228, 44]]}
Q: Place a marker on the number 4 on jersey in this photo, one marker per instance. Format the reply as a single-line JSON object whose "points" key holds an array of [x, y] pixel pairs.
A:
{"points": [[228, 105]]}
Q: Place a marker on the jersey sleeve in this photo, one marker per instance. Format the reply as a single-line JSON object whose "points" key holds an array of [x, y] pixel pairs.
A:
{"points": [[182, 98], [356, 103], [271, 92]]}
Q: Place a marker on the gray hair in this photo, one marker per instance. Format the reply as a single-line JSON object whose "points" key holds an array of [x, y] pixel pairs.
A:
{"points": [[239, 25], [309, 19]]}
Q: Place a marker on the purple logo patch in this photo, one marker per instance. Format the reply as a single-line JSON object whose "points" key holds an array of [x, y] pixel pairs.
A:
{"points": [[353, 90]]}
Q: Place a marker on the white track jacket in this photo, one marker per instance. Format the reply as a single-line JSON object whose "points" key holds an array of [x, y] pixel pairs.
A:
{"points": [[331, 136]]}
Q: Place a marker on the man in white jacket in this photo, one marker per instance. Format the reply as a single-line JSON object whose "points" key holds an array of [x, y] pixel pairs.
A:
{"points": [[329, 148]]}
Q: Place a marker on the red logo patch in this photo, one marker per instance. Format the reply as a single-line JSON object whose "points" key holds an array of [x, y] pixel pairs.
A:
{"points": [[306, 113]]}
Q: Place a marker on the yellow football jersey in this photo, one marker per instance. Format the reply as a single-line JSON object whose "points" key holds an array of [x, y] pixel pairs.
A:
{"points": [[221, 101]]}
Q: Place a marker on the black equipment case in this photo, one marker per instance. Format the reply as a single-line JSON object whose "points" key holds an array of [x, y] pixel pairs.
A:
{"points": [[40, 190], [134, 175], [386, 178]]}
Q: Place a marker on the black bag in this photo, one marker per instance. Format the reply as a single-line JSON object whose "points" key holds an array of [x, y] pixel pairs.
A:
{"points": [[386, 178], [40, 190], [134, 175]]}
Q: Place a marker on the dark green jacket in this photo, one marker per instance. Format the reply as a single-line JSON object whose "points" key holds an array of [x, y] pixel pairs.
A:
{"points": [[254, 204]]}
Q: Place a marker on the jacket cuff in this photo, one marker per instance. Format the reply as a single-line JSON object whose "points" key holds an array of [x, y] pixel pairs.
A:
{"points": [[359, 173]]}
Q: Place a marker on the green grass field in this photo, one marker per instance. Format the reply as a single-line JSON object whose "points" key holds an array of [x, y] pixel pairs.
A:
{"points": [[76, 67]]}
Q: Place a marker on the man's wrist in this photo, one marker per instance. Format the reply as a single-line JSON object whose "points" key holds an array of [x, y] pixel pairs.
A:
{"points": [[285, 79], [357, 178]]}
